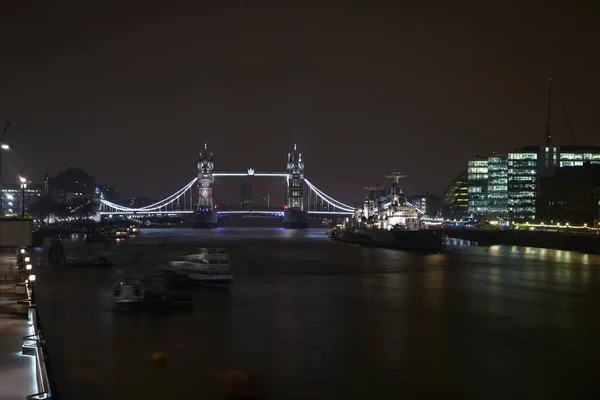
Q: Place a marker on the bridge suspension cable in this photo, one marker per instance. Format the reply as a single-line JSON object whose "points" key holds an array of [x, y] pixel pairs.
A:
{"points": [[328, 199], [162, 204], [152, 207]]}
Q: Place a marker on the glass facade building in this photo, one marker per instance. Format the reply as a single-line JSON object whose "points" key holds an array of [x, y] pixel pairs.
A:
{"points": [[497, 190], [478, 186], [506, 185], [521, 189], [455, 201], [12, 200]]}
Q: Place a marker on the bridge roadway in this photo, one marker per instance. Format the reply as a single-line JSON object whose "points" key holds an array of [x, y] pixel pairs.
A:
{"points": [[223, 212]]}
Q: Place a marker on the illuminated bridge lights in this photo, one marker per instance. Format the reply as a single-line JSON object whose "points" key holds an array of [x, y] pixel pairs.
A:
{"points": [[162, 207], [148, 213], [156, 206], [236, 212], [251, 172], [250, 212]]}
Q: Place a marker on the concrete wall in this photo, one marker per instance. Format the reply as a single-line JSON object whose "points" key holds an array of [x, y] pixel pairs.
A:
{"points": [[14, 233]]}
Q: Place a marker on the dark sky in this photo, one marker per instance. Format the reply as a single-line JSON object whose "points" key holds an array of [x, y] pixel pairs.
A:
{"points": [[131, 92]]}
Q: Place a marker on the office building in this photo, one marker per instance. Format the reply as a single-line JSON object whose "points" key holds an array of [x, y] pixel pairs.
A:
{"points": [[455, 200], [428, 203], [571, 196], [506, 185], [246, 195], [497, 185], [70, 184], [266, 200], [522, 178], [12, 200], [477, 171]]}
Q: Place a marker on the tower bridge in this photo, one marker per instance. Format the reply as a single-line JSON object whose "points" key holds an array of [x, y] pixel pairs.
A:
{"points": [[302, 197]]}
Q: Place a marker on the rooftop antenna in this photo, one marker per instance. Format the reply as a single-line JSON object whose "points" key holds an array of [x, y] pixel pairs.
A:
{"points": [[205, 146], [548, 135], [569, 126]]}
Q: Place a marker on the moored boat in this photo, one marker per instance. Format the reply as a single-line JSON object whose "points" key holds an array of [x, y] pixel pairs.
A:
{"points": [[127, 294], [390, 221], [121, 233], [212, 252], [212, 271]]}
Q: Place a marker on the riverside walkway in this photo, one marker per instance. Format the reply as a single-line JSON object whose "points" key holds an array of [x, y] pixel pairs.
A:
{"points": [[18, 373]]}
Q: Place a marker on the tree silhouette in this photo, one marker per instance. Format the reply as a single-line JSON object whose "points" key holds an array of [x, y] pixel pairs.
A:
{"points": [[42, 208]]}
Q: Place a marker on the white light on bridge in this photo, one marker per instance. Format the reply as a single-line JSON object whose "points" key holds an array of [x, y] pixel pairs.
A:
{"points": [[251, 172]]}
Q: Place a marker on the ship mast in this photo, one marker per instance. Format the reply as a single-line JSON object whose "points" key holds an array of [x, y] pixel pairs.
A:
{"points": [[370, 204], [373, 190], [396, 191]]}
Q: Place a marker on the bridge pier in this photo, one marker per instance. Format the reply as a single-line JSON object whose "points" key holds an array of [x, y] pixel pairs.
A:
{"points": [[295, 219], [205, 219]]}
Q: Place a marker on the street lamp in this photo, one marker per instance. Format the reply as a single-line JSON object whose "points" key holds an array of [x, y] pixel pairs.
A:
{"points": [[23, 187], [3, 147], [31, 286]]}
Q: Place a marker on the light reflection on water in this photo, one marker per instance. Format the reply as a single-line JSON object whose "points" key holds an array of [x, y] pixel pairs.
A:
{"points": [[327, 318]]}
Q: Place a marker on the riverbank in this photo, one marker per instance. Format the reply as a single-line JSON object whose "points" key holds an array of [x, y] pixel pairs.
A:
{"points": [[584, 243]]}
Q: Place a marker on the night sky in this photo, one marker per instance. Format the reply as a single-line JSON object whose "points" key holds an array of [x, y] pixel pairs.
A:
{"points": [[130, 93]]}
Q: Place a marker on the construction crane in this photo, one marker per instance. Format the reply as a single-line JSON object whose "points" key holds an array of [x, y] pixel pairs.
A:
{"points": [[569, 126]]}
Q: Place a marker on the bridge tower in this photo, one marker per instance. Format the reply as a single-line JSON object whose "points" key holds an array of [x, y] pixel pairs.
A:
{"points": [[206, 180], [205, 216], [294, 215], [295, 181]]}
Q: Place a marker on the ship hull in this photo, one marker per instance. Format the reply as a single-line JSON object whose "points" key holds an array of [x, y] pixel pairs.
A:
{"points": [[419, 240]]}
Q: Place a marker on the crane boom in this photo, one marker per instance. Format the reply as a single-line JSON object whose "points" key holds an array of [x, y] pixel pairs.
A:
{"points": [[569, 126]]}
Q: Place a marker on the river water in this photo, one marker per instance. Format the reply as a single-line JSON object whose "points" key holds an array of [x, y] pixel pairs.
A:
{"points": [[329, 319]]}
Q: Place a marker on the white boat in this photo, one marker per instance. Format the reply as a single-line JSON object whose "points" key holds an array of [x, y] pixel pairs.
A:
{"points": [[211, 252], [196, 258], [127, 294], [210, 271]]}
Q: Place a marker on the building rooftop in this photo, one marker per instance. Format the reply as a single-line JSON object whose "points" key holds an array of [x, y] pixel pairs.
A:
{"points": [[564, 148]]}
